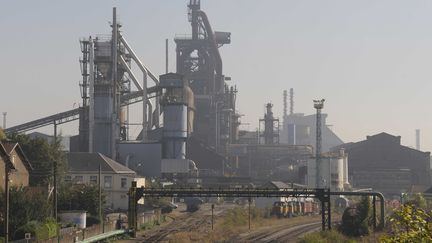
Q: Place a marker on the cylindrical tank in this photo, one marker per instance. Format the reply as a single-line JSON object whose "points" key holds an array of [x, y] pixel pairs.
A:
{"points": [[175, 121], [175, 131]]}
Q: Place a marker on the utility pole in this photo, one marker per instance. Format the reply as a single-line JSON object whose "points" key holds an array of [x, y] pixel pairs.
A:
{"points": [[212, 217], [55, 199], [55, 185], [100, 198], [318, 105]]}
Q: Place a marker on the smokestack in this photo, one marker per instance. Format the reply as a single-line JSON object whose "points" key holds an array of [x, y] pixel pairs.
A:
{"points": [[4, 120], [285, 104], [166, 55], [417, 139], [291, 101]]}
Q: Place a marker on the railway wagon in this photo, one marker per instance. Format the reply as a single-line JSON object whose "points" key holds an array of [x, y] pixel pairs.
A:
{"points": [[308, 207], [280, 209]]}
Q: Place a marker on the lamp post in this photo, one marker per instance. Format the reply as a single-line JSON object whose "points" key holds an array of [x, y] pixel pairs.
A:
{"points": [[318, 105]]}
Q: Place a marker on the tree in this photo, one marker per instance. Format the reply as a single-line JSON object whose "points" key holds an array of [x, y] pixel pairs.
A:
{"points": [[25, 205], [2, 135], [356, 221], [410, 224], [42, 156], [80, 197]]}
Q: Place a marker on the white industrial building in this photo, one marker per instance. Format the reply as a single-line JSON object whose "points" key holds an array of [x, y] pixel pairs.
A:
{"points": [[333, 170]]}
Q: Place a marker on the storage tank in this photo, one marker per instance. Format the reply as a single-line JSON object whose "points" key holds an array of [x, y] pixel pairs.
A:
{"points": [[175, 131]]}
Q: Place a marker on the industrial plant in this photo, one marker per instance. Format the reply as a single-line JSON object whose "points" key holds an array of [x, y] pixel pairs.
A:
{"points": [[190, 135]]}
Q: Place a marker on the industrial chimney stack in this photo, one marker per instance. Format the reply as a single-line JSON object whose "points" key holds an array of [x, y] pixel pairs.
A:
{"points": [[4, 120], [417, 139]]}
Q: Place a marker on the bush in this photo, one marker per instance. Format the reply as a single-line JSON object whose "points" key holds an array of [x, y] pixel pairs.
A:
{"points": [[325, 237], [30, 227], [41, 231], [47, 230], [92, 220], [356, 221]]}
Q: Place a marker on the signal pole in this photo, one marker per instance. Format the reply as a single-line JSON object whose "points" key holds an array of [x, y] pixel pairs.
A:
{"points": [[318, 105]]}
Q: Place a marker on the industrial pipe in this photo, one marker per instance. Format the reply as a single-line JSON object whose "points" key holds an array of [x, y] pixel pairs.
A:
{"points": [[378, 194], [145, 99], [138, 61], [214, 45], [131, 74]]}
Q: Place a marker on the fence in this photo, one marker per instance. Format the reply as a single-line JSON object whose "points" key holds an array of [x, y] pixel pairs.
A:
{"points": [[73, 234]]}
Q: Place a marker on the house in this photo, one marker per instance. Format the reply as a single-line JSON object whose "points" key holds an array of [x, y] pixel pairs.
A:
{"points": [[116, 178], [380, 162], [12, 154]]}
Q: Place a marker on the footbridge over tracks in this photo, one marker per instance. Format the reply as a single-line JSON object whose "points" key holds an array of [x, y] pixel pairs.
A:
{"points": [[323, 195]]}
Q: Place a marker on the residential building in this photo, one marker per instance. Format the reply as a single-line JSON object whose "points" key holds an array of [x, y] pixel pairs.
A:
{"points": [[115, 178], [12, 154]]}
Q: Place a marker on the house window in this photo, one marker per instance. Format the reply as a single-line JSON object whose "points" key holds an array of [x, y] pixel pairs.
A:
{"points": [[123, 182], [107, 181], [78, 180], [68, 179], [93, 180]]}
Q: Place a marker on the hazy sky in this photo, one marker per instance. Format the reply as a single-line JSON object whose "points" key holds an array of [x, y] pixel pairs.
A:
{"points": [[370, 59]]}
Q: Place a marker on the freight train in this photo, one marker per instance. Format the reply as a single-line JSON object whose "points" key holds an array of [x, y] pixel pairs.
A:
{"points": [[295, 208]]}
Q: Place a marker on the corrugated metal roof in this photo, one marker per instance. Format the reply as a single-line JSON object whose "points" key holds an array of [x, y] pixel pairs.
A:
{"points": [[89, 162]]}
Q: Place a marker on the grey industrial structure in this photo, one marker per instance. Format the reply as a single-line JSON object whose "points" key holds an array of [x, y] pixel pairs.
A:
{"points": [[204, 123], [380, 162], [190, 125]]}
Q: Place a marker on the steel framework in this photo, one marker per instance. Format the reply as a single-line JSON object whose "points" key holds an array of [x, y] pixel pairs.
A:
{"points": [[323, 195]]}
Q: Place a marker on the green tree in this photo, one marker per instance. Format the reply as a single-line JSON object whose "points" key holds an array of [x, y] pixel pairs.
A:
{"points": [[25, 205], [410, 224], [42, 156], [356, 221], [2, 135], [417, 200], [80, 197]]}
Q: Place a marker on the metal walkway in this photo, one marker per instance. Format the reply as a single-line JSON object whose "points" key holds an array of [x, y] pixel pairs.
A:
{"points": [[72, 115]]}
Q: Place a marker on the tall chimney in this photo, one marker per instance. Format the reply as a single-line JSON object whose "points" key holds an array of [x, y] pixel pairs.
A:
{"points": [[4, 120], [417, 139]]}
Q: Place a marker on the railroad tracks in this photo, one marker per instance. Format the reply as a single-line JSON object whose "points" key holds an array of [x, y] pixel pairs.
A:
{"points": [[280, 233]]}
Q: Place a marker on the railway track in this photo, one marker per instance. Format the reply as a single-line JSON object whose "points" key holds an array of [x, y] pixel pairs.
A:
{"points": [[280, 233], [187, 222]]}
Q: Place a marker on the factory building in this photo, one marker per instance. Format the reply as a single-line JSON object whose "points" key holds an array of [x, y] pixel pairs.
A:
{"points": [[300, 129], [334, 171], [380, 162]]}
